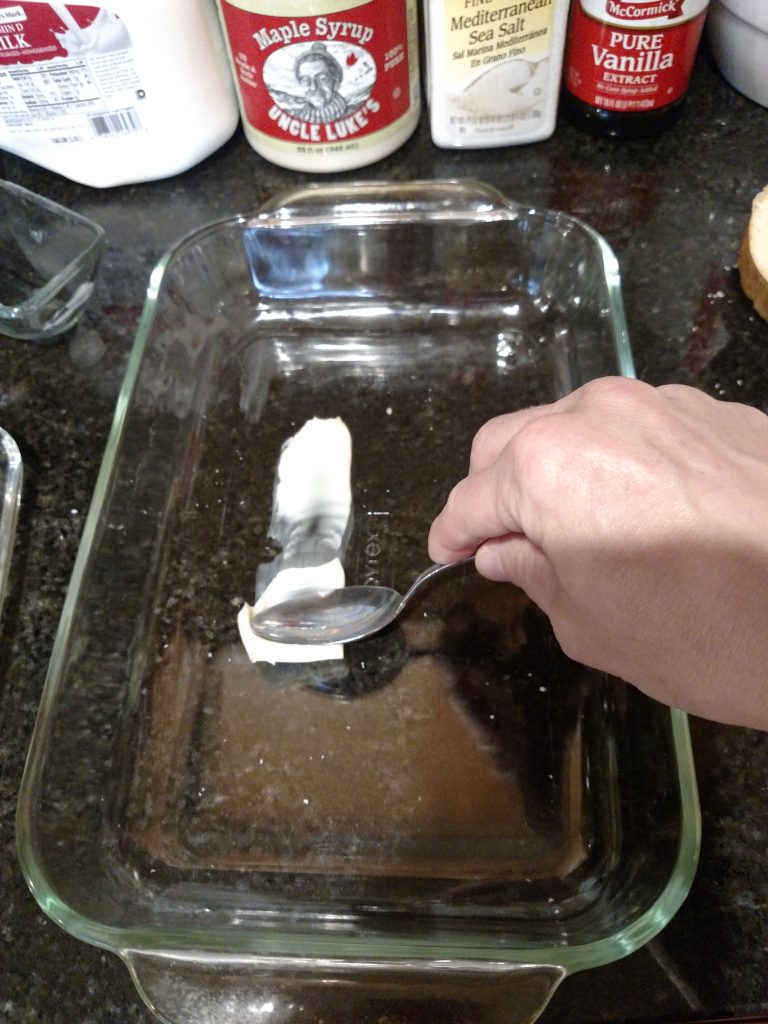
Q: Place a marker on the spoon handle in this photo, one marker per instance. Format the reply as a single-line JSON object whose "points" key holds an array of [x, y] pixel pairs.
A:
{"points": [[429, 573]]}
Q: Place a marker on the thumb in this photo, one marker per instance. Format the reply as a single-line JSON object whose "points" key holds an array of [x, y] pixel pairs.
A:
{"points": [[515, 559]]}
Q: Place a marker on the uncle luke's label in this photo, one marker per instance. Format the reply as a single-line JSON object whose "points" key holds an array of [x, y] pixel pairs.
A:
{"points": [[632, 55], [320, 79]]}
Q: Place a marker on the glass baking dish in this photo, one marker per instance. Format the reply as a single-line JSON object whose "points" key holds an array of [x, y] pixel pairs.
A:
{"points": [[49, 260], [11, 473], [446, 821]]}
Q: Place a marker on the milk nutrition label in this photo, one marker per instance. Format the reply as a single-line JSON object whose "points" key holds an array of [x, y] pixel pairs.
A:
{"points": [[67, 74]]}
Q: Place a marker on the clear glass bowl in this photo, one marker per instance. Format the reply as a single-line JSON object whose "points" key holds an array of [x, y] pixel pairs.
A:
{"points": [[11, 473], [454, 816], [49, 257]]}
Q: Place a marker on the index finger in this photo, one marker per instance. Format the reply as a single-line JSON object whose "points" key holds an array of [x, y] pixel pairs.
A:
{"points": [[493, 437], [481, 506]]}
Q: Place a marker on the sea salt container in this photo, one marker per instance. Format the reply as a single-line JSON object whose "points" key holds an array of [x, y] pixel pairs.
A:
{"points": [[109, 95], [493, 71]]}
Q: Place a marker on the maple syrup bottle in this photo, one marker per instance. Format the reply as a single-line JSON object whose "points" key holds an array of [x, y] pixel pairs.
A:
{"points": [[628, 64], [325, 85]]}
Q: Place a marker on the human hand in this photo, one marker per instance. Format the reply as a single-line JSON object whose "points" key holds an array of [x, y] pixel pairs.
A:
{"points": [[637, 519]]}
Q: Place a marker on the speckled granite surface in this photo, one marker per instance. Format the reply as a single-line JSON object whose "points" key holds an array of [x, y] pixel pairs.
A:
{"points": [[674, 209]]}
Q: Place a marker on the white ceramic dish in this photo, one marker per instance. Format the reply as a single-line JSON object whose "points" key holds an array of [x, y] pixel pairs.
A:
{"points": [[738, 35]]}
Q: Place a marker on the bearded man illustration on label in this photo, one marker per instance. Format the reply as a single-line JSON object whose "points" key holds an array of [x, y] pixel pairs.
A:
{"points": [[320, 75]]}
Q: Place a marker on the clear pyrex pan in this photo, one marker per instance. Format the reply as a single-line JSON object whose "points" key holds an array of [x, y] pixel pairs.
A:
{"points": [[452, 814], [11, 474]]}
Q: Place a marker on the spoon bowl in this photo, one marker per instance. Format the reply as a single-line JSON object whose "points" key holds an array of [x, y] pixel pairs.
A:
{"points": [[340, 616]]}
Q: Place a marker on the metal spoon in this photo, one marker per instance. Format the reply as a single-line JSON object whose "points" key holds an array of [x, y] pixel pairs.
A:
{"points": [[338, 616]]}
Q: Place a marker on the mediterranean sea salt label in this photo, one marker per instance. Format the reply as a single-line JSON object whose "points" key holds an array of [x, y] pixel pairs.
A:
{"points": [[325, 86], [493, 70]]}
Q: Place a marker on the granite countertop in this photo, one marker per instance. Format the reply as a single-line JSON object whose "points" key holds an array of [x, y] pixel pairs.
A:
{"points": [[674, 209]]}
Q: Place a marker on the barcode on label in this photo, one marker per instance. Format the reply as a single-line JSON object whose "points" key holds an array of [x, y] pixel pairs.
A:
{"points": [[116, 123]]}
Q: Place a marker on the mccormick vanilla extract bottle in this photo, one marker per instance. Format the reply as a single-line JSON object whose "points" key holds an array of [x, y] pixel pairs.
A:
{"points": [[327, 85], [628, 64]]}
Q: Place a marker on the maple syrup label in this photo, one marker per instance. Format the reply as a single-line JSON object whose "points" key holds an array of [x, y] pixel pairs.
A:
{"points": [[324, 78], [632, 56]]}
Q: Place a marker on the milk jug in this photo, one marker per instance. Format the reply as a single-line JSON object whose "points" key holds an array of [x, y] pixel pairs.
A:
{"points": [[107, 95]]}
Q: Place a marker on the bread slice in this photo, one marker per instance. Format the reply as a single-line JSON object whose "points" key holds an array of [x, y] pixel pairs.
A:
{"points": [[753, 254]]}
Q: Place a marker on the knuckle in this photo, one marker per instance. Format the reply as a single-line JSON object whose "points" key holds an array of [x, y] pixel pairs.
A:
{"points": [[485, 442], [477, 456], [540, 455], [680, 392], [454, 503], [616, 391], [453, 497]]}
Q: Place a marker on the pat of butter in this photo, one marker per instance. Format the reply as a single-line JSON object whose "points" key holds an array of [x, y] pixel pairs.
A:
{"points": [[311, 514], [287, 582]]}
